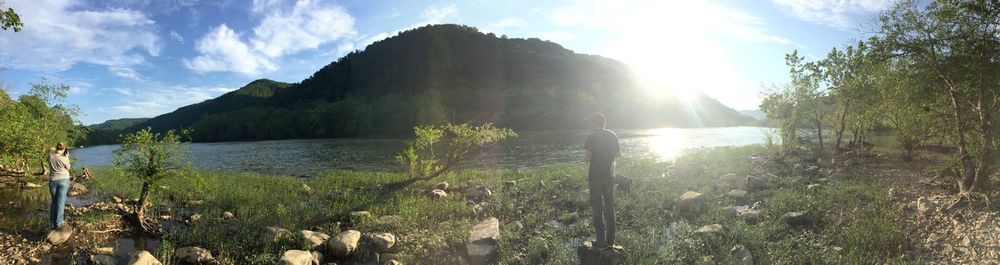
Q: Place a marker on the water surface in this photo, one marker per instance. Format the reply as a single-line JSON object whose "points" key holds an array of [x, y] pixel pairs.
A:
{"points": [[310, 157]]}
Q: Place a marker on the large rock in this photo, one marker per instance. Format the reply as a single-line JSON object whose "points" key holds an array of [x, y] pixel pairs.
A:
{"points": [[590, 255], [482, 246], [925, 206], [478, 194], [143, 258], [438, 194], [277, 233], [317, 257], [296, 257], [383, 241], [59, 235], [194, 255], [313, 239], [344, 243], [740, 255], [755, 183], [76, 189], [440, 186]]}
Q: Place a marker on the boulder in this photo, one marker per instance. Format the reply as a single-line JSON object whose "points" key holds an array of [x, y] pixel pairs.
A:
{"points": [[440, 186], [143, 258], [478, 194], [755, 183], [228, 215], [101, 259], [383, 241], [194, 255], [277, 233], [76, 189], [740, 255], [313, 239], [690, 196], [925, 206], [59, 235], [438, 194], [482, 246], [709, 229], [29, 185], [738, 194], [344, 243], [296, 257], [796, 218], [590, 255]]}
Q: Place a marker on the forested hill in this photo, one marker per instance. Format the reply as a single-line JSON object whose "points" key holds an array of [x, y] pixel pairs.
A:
{"points": [[436, 74]]}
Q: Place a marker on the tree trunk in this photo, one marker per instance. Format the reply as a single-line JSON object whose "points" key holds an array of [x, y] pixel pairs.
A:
{"points": [[819, 133], [966, 181], [140, 212], [843, 125]]}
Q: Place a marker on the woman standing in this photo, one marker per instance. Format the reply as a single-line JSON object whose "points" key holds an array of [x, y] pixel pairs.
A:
{"points": [[59, 183]]}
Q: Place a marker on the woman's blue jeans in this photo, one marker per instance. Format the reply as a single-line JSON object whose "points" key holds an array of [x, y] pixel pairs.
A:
{"points": [[58, 189]]}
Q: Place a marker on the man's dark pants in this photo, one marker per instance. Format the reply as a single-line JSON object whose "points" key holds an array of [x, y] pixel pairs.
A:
{"points": [[602, 202]]}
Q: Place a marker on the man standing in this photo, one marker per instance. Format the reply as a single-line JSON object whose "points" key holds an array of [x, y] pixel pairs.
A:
{"points": [[602, 150]]}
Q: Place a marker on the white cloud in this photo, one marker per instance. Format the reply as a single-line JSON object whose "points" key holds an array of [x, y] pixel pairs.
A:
{"points": [[261, 5], [510, 22], [436, 15], [222, 50], [177, 36], [308, 25], [125, 72], [59, 34], [149, 102], [840, 14]]}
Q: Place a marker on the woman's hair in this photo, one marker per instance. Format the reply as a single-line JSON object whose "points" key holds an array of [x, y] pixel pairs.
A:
{"points": [[61, 146]]}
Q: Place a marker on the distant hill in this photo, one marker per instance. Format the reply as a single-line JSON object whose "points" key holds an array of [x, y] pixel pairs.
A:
{"points": [[756, 114], [116, 124], [108, 131], [436, 74]]}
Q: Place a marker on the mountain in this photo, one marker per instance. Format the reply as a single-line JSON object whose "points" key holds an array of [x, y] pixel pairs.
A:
{"points": [[756, 114], [108, 131], [116, 124], [441, 73]]}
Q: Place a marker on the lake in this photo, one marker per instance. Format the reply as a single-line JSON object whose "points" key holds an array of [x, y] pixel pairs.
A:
{"points": [[310, 157]]}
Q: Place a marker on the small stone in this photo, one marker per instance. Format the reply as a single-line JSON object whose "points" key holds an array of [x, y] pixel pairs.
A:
{"points": [[925, 205], [29, 185], [812, 186], [478, 194], [510, 184], [709, 229], [740, 255], [796, 218], [306, 189], [116, 199], [690, 196], [438, 194], [390, 218], [103, 251], [101, 259], [313, 239], [296, 257], [384, 241], [143, 258], [228, 215], [195, 217], [361, 215], [194, 255], [277, 233], [440, 186], [344, 243]]}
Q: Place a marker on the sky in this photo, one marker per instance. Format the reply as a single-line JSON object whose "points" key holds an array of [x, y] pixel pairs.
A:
{"points": [[142, 58]]}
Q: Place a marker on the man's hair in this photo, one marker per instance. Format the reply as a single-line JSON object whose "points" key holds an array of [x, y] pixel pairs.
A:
{"points": [[598, 118]]}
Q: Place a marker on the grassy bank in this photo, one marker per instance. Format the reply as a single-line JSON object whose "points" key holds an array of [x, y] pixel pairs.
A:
{"points": [[544, 217]]}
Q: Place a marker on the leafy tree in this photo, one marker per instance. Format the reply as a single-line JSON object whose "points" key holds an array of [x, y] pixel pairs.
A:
{"points": [[35, 121], [10, 19], [439, 148], [151, 158]]}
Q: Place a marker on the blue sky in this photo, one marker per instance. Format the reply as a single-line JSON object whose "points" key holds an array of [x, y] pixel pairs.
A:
{"points": [[142, 58]]}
